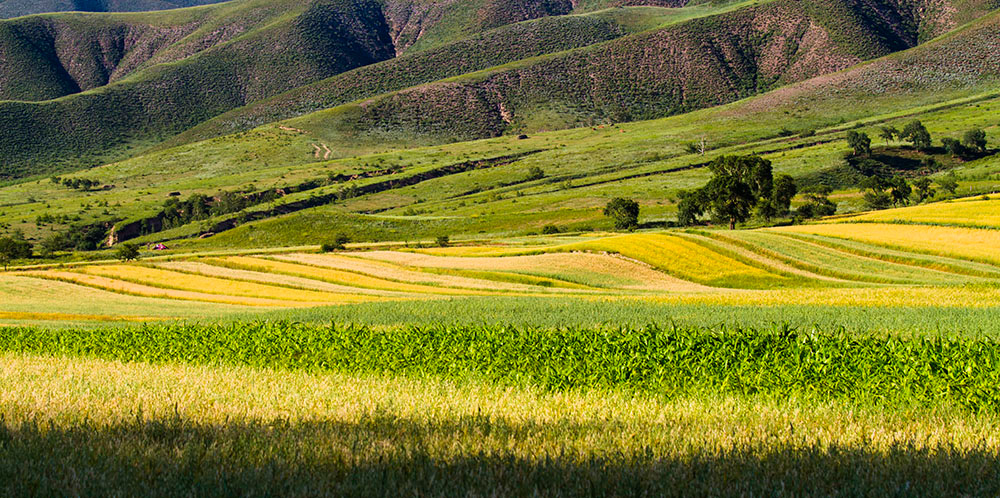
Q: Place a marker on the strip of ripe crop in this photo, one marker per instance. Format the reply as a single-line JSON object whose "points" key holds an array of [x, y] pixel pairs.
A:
{"points": [[964, 243], [134, 289], [866, 370], [155, 277], [281, 264], [940, 263], [929, 297], [838, 264], [221, 269], [76, 317], [686, 260], [970, 212], [754, 254], [595, 270], [396, 273]]}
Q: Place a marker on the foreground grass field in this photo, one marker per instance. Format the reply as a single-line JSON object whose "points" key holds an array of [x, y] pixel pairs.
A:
{"points": [[855, 357], [386, 422]]}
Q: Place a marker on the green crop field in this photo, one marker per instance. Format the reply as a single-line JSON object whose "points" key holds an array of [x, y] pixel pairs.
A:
{"points": [[367, 248]]}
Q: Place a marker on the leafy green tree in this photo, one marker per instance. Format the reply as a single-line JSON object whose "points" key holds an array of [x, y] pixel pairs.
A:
{"points": [[337, 243], [624, 213], [899, 191], [817, 202], [12, 248], [948, 183], [876, 197], [954, 147], [127, 252], [923, 188], [691, 206], [737, 185], [780, 200], [860, 142], [535, 173], [52, 244], [975, 139], [917, 134], [442, 241], [550, 230], [888, 133]]}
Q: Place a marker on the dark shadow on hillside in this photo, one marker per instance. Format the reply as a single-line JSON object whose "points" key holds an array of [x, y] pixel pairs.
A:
{"points": [[388, 456]]}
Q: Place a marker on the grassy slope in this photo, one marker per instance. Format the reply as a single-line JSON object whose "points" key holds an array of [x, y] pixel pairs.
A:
{"points": [[15, 8], [696, 64], [314, 42], [584, 167]]}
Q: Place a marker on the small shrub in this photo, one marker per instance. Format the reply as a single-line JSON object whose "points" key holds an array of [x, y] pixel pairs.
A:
{"points": [[442, 241], [550, 229]]}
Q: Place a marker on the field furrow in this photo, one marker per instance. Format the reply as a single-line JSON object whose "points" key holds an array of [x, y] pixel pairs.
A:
{"points": [[596, 270], [400, 276], [134, 289], [209, 268], [174, 280], [838, 264]]}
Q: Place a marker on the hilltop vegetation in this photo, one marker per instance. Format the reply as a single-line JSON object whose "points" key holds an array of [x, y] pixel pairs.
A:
{"points": [[15, 8]]}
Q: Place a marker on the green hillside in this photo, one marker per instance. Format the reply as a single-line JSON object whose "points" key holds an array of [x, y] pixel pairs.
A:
{"points": [[116, 99], [316, 41], [302, 188], [15, 8]]}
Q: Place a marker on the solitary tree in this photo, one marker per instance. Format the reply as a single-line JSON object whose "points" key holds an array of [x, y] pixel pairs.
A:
{"points": [[860, 142], [127, 252], [975, 139], [888, 133], [624, 213], [737, 184], [12, 248], [917, 134]]}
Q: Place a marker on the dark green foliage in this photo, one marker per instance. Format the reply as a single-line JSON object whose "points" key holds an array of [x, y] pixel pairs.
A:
{"points": [[867, 370], [899, 191], [818, 203], [975, 139], [922, 187], [780, 200], [691, 206], [860, 143], [917, 134], [876, 196], [337, 243], [12, 248], [739, 184], [442, 241], [888, 133], [948, 183], [535, 173], [954, 147], [127, 252], [623, 212], [550, 230]]}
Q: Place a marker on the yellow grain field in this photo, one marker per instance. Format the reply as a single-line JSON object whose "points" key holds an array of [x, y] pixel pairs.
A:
{"points": [[973, 212], [679, 257], [289, 264], [876, 297], [602, 270], [964, 243], [443, 284], [134, 289], [210, 267]]}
